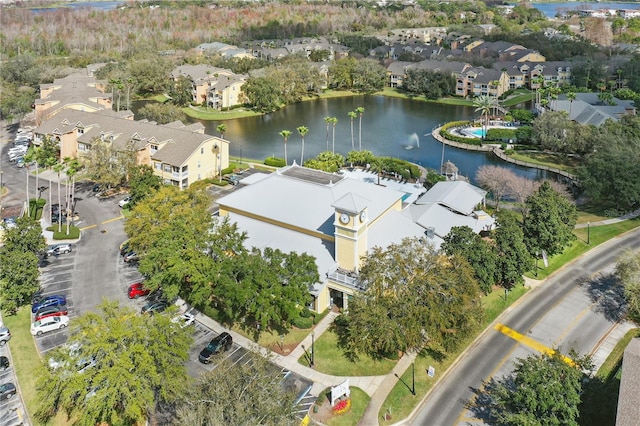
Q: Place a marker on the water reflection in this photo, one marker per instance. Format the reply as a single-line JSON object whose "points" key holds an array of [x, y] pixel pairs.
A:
{"points": [[392, 127]]}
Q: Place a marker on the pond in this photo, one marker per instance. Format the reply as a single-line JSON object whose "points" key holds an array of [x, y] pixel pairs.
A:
{"points": [[393, 127]]}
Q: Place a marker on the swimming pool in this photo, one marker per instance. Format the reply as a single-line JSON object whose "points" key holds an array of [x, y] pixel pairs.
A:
{"points": [[476, 132]]}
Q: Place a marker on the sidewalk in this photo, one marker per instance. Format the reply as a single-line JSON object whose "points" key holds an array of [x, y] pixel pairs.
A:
{"points": [[604, 347]]}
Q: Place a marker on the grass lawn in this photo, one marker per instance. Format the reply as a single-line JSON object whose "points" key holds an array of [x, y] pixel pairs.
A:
{"points": [[202, 113], [74, 232], [330, 359], [612, 363], [567, 164], [26, 360], [597, 235]]}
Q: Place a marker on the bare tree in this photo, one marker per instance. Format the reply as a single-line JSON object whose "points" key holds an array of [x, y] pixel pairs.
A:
{"points": [[496, 180]]}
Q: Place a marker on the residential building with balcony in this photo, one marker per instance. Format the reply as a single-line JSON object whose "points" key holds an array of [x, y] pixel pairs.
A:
{"points": [[216, 87], [179, 154]]}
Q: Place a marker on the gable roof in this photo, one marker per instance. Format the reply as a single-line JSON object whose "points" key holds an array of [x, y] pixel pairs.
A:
{"points": [[629, 397], [459, 196]]}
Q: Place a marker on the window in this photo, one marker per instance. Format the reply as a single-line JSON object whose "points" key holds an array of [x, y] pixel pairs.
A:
{"points": [[167, 168], [153, 149], [198, 164], [157, 165], [80, 130], [201, 152]]}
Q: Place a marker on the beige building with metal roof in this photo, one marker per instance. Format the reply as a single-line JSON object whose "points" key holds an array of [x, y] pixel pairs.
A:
{"points": [[338, 220]]}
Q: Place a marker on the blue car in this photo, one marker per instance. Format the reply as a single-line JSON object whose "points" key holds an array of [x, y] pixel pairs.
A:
{"points": [[49, 301]]}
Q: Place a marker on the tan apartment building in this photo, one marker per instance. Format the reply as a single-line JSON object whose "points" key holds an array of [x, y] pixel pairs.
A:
{"points": [[215, 87]]}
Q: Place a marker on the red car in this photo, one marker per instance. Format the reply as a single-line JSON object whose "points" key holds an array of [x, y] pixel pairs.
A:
{"points": [[51, 311], [136, 290]]}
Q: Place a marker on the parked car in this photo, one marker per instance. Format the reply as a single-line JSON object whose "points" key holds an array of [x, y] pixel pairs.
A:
{"points": [[7, 391], [124, 248], [184, 320], [49, 324], [49, 301], [58, 249], [132, 256], [50, 311], [124, 201], [136, 290], [220, 343], [4, 363], [154, 306], [5, 335]]}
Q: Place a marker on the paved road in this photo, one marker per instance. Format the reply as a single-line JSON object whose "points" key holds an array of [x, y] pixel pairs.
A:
{"points": [[573, 309]]}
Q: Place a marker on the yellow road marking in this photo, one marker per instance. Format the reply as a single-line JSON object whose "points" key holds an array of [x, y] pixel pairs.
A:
{"points": [[528, 341], [113, 220], [88, 227]]}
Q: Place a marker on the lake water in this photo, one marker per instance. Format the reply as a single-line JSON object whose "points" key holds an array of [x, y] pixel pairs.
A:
{"points": [[393, 127], [550, 10]]}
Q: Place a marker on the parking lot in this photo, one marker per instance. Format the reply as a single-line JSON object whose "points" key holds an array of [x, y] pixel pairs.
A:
{"points": [[11, 410]]}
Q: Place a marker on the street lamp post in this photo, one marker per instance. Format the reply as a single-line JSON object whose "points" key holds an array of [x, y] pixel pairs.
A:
{"points": [[588, 233], [413, 378], [313, 349]]}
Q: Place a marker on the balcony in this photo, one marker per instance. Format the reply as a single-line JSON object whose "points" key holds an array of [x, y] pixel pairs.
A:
{"points": [[346, 278]]}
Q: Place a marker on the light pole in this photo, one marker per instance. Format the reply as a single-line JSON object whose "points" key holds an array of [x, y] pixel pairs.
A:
{"points": [[313, 349], [588, 233], [413, 378]]}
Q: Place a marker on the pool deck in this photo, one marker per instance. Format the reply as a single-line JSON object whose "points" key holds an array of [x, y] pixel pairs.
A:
{"points": [[413, 189]]}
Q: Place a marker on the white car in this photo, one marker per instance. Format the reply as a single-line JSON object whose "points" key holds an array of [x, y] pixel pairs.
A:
{"points": [[49, 324], [58, 249], [124, 201], [184, 320]]}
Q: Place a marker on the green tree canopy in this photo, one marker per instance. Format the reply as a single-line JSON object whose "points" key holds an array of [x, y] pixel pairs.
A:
{"points": [[414, 298], [142, 182], [326, 161], [161, 113], [543, 390], [481, 255], [550, 221], [238, 394], [513, 257], [139, 362]]}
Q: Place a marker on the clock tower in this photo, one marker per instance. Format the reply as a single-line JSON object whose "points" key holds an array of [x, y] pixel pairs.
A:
{"points": [[350, 223]]}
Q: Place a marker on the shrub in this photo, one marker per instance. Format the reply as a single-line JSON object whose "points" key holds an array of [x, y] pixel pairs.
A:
{"points": [[302, 322], [228, 170], [36, 207], [274, 162], [501, 134]]}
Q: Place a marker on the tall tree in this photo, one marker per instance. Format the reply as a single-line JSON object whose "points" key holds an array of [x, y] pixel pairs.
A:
{"points": [[513, 257], [285, 135], [142, 183], [360, 111], [222, 128], [302, 131], [58, 168], [327, 120], [414, 298], [550, 221], [495, 179], [238, 394], [543, 390], [19, 266], [139, 362], [161, 113], [481, 255], [334, 121], [352, 115], [483, 105]]}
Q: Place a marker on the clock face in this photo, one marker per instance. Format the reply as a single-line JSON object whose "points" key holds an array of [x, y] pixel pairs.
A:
{"points": [[344, 218], [363, 216]]}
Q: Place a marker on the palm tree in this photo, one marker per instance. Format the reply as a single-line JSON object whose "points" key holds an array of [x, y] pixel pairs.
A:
{"points": [[28, 158], [285, 135], [328, 121], [49, 163], [352, 115], [334, 121], [360, 110], [572, 97], [303, 131], [72, 170], [483, 104], [538, 81], [58, 168], [221, 129]]}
